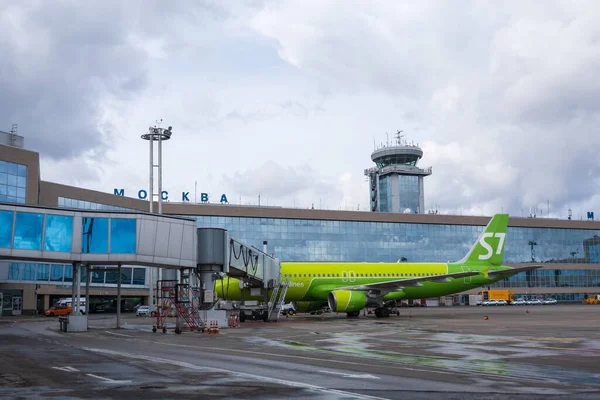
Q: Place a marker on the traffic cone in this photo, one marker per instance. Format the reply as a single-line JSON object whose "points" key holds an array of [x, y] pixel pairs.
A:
{"points": [[216, 332]]}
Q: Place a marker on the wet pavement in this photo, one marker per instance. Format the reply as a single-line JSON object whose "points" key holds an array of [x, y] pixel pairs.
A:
{"points": [[536, 352]]}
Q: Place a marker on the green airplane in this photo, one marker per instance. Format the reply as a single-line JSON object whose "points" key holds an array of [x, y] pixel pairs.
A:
{"points": [[349, 287]]}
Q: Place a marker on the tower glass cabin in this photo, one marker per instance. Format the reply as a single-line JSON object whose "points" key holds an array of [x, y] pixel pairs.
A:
{"points": [[396, 183]]}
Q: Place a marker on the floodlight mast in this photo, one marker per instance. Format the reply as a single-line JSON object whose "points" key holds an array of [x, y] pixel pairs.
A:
{"points": [[158, 134]]}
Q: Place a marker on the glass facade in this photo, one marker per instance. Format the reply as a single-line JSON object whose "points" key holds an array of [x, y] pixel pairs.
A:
{"points": [[6, 226], [28, 231], [320, 240], [552, 278], [94, 235], [57, 273], [385, 193], [65, 202], [409, 193], [13, 182], [59, 233], [122, 235]]}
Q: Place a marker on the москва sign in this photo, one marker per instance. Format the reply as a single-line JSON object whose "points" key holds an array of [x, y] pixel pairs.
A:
{"points": [[143, 195]]}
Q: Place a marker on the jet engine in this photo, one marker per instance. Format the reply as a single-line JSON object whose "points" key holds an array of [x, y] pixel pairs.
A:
{"points": [[348, 301]]}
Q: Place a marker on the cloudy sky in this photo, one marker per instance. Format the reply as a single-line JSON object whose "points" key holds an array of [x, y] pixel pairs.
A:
{"points": [[286, 98]]}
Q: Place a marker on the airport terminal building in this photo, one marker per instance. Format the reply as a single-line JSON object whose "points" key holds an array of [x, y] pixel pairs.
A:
{"points": [[395, 230]]}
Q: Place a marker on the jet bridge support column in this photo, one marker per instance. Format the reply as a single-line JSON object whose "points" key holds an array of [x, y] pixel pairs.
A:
{"points": [[119, 296], [88, 273], [76, 322], [212, 260]]}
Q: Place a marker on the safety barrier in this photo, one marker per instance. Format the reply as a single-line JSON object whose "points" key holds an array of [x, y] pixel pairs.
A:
{"points": [[64, 322]]}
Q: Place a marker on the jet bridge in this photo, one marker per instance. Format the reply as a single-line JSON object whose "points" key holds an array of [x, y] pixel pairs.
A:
{"points": [[220, 255]]}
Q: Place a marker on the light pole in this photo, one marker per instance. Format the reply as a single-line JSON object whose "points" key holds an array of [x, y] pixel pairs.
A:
{"points": [[156, 134]]}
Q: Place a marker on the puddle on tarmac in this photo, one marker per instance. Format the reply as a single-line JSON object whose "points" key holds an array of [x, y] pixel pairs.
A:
{"points": [[475, 354]]}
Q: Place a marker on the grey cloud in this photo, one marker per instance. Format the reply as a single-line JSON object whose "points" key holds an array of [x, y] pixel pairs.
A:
{"points": [[60, 63]]}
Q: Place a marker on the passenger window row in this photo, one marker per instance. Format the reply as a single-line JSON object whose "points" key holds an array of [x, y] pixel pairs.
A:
{"points": [[370, 275]]}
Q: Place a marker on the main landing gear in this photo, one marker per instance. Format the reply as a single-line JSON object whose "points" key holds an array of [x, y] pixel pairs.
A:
{"points": [[353, 314], [384, 312]]}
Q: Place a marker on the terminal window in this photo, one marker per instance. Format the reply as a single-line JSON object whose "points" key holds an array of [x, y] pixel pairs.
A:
{"points": [[122, 235], [28, 231], [59, 233], [13, 182], [94, 236], [6, 225]]}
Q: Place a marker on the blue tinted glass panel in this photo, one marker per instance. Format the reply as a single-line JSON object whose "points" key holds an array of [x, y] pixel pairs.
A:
{"points": [[12, 169], [139, 276], [56, 273], [28, 231], [68, 273], [22, 170], [97, 276], [6, 225], [126, 274], [14, 272], [94, 237], [111, 277], [59, 233], [11, 180], [42, 272], [28, 272], [122, 235]]}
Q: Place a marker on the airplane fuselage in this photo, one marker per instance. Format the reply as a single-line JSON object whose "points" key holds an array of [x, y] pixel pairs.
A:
{"points": [[312, 281]]}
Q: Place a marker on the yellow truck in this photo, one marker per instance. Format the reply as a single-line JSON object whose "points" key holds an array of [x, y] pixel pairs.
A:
{"points": [[498, 294], [593, 299]]}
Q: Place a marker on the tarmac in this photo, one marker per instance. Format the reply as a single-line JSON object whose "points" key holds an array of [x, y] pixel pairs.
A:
{"points": [[535, 352]]}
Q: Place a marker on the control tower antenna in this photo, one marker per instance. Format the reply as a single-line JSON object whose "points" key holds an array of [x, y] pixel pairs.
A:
{"points": [[399, 137]]}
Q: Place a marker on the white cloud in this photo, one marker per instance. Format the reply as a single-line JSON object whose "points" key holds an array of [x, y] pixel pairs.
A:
{"points": [[286, 98]]}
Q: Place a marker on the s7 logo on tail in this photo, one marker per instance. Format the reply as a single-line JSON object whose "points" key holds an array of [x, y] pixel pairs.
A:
{"points": [[488, 247]]}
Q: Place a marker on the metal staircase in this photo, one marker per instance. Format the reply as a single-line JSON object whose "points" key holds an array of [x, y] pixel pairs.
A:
{"points": [[277, 300], [177, 300]]}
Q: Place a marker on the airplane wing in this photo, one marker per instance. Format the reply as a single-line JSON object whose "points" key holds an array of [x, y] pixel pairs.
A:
{"points": [[398, 284], [511, 272]]}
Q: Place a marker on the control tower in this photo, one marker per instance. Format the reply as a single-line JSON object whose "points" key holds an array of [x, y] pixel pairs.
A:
{"points": [[396, 183]]}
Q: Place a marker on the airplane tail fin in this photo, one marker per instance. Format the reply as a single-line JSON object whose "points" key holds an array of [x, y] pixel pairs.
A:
{"points": [[489, 247]]}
